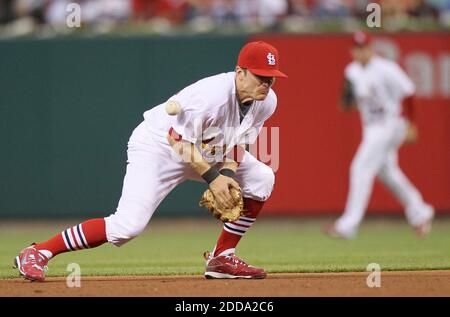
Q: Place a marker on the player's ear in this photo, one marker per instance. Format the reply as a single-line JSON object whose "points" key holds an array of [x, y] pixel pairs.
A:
{"points": [[240, 72]]}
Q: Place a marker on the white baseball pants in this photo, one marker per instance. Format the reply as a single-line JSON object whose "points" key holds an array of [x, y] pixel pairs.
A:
{"points": [[152, 172], [377, 156]]}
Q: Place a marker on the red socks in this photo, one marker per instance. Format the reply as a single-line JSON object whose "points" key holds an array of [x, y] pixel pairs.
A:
{"points": [[92, 233], [233, 231], [88, 234]]}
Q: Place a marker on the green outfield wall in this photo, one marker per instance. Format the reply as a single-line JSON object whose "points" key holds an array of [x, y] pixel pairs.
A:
{"points": [[68, 107]]}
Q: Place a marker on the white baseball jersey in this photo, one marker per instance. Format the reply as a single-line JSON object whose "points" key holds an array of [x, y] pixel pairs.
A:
{"points": [[379, 88], [209, 110]]}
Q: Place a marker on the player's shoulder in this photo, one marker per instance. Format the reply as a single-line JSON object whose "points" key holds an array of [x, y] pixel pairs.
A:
{"points": [[217, 85], [209, 92], [351, 69], [224, 78], [267, 106], [271, 98], [388, 68], [384, 63], [216, 89]]}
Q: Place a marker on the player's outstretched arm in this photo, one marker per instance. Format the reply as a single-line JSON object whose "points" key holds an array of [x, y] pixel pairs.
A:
{"points": [[218, 183], [348, 101]]}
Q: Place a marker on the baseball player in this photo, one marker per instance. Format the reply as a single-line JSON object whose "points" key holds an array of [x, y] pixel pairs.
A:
{"points": [[205, 141], [378, 87]]}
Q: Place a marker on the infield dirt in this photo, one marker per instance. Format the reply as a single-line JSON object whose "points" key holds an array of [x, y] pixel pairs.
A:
{"points": [[394, 283]]}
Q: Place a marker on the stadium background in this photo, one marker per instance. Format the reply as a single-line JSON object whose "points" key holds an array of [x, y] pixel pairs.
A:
{"points": [[70, 98], [69, 105]]}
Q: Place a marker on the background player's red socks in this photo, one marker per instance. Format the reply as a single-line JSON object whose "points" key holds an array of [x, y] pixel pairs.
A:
{"points": [[88, 234], [233, 231]]}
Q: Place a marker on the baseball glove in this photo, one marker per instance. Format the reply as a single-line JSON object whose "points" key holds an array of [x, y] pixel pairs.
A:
{"points": [[225, 214], [348, 100]]}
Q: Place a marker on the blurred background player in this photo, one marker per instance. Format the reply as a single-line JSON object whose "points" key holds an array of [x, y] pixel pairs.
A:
{"points": [[377, 87]]}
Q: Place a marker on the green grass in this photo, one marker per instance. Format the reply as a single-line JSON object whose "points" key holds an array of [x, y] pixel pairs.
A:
{"points": [[290, 245]]}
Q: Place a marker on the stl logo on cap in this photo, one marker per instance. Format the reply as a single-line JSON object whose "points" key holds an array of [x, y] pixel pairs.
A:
{"points": [[271, 59], [261, 59]]}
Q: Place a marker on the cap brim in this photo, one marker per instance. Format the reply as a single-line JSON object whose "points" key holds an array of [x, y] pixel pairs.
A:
{"points": [[268, 73]]}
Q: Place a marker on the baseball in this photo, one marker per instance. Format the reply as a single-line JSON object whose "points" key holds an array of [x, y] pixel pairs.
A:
{"points": [[173, 108]]}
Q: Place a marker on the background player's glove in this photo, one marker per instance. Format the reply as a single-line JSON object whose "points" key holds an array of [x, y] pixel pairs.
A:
{"points": [[411, 133], [225, 214], [348, 100]]}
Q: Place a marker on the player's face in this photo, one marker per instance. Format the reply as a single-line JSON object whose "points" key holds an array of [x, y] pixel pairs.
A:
{"points": [[257, 86], [362, 54]]}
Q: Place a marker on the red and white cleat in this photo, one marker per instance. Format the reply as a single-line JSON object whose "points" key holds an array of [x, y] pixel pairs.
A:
{"points": [[31, 264], [230, 266], [331, 231], [423, 229]]}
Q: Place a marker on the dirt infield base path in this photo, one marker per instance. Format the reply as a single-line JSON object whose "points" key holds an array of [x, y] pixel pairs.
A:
{"points": [[402, 283]]}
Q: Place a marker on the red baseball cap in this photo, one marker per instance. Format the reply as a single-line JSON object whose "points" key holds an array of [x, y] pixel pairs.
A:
{"points": [[260, 58], [360, 38]]}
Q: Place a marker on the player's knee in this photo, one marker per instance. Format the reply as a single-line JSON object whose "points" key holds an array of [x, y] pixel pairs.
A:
{"points": [[356, 169], [264, 184], [362, 172], [132, 230], [384, 175], [120, 231], [268, 178], [388, 176]]}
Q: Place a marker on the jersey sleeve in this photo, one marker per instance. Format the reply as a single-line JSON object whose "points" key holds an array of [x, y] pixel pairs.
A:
{"points": [[192, 118], [401, 81], [359, 85]]}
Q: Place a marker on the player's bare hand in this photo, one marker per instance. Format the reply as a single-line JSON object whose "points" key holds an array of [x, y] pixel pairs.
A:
{"points": [[411, 133], [220, 188]]}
